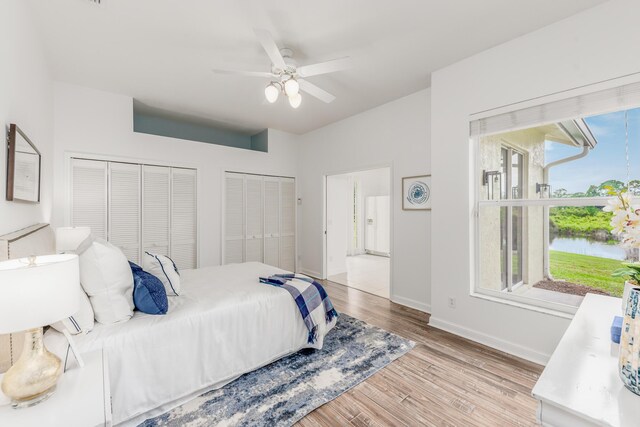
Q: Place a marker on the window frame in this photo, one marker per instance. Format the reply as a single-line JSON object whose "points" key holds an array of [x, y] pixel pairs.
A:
{"points": [[503, 296], [606, 96], [523, 173]]}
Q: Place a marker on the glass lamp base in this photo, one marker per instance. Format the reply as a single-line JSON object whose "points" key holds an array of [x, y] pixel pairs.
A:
{"points": [[32, 379], [27, 403]]}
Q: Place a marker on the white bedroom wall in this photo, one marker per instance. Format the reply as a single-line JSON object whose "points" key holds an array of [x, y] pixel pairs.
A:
{"points": [[26, 99], [95, 122], [396, 134], [582, 50]]}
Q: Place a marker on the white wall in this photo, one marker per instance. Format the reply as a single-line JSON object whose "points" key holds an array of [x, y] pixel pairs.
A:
{"points": [[591, 47], [339, 188], [374, 182], [26, 100], [396, 134], [95, 122]]}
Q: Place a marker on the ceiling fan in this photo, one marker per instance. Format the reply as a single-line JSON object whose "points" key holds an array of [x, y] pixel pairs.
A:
{"points": [[286, 76]]}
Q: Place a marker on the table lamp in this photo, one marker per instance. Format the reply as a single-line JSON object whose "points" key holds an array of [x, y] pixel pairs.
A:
{"points": [[36, 292], [69, 239]]}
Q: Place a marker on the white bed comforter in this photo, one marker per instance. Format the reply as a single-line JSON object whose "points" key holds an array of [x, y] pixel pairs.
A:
{"points": [[224, 324]]}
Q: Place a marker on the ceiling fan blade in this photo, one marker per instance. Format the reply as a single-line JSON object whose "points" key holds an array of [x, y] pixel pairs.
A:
{"points": [[244, 73], [324, 67], [266, 40], [314, 90]]}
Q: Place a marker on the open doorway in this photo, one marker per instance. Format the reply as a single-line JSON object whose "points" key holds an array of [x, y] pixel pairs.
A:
{"points": [[358, 225]]}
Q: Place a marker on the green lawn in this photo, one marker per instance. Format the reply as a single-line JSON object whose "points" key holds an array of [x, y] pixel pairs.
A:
{"points": [[591, 271]]}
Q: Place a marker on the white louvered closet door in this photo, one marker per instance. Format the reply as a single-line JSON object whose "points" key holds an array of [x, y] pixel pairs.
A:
{"points": [[254, 219], [184, 231], [234, 218], [156, 209], [272, 221], [89, 196], [288, 224], [124, 209]]}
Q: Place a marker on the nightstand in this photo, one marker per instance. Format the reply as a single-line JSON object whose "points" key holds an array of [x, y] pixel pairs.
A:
{"points": [[82, 399]]}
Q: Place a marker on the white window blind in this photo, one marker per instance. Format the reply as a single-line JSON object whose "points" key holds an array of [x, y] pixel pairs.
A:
{"points": [[124, 209], [271, 221], [234, 218], [600, 102], [156, 209], [254, 219], [89, 196], [183, 218]]}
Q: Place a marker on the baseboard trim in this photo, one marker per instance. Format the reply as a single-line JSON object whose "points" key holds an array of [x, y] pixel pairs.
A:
{"points": [[421, 306], [493, 342], [311, 273]]}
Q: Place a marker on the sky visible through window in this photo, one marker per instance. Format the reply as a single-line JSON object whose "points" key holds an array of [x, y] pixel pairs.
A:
{"points": [[605, 162]]}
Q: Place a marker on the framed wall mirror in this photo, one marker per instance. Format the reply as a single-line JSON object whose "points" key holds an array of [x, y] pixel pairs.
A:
{"points": [[23, 167]]}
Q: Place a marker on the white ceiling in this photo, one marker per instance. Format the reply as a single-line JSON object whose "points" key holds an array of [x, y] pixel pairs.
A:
{"points": [[161, 51]]}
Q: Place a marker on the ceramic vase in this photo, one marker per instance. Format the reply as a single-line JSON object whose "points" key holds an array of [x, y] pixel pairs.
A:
{"points": [[630, 343], [625, 296]]}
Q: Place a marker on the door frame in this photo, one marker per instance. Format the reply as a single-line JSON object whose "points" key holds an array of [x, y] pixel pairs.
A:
{"points": [[325, 256]]}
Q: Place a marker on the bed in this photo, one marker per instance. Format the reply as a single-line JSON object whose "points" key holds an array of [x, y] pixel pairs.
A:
{"points": [[223, 325]]}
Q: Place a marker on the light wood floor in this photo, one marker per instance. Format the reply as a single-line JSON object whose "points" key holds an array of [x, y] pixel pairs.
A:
{"points": [[444, 381]]}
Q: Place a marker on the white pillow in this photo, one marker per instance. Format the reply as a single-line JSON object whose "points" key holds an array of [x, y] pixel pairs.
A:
{"points": [[106, 277], [81, 322], [164, 269]]}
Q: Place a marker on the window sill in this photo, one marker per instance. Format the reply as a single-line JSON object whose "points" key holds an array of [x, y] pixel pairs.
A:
{"points": [[527, 306]]}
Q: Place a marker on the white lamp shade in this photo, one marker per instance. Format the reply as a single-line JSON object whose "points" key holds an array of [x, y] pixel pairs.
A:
{"points": [[69, 238], [38, 295], [291, 87], [295, 100], [271, 92]]}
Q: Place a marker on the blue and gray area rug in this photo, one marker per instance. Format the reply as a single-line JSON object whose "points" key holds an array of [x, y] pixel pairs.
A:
{"points": [[283, 392]]}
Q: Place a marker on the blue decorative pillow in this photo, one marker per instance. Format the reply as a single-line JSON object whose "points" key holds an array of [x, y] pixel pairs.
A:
{"points": [[149, 295]]}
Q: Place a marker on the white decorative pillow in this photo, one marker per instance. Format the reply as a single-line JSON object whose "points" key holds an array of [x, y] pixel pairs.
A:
{"points": [[81, 322], [164, 269], [106, 277]]}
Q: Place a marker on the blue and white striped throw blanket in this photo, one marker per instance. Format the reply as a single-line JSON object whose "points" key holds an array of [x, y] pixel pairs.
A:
{"points": [[313, 302]]}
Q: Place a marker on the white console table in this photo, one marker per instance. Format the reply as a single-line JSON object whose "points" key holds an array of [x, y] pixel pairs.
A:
{"points": [[580, 385]]}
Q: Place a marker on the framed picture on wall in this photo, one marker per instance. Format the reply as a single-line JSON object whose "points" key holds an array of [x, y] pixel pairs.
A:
{"points": [[416, 193], [23, 167]]}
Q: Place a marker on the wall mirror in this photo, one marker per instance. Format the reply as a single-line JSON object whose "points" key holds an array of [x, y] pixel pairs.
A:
{"points": [[23, 167]]}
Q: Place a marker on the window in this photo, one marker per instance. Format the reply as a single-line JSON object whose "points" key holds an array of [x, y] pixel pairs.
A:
{"points": [[542, 237], [511, 249]]}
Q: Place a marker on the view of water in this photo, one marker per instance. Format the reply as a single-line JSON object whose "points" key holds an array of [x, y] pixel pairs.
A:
{"points": [[584, 246]]}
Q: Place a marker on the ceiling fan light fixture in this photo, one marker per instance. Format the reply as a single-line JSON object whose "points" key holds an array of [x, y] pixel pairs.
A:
{"points": [[291, 87], [295, 100], [271, 92]]}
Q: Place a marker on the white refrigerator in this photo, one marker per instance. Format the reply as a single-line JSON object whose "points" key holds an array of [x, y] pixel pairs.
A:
{"points": [[377, 239]]}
